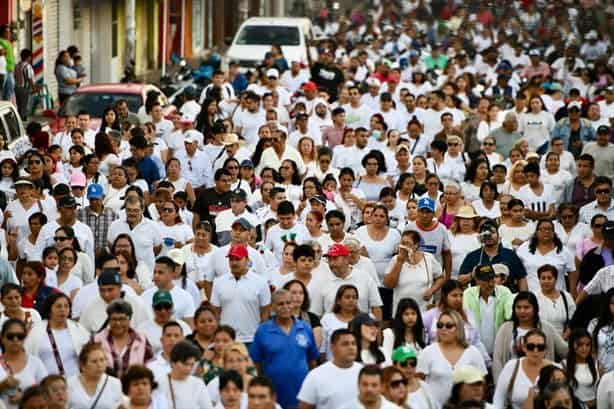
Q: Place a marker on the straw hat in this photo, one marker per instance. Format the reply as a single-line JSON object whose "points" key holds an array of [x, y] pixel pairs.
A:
{"points": [[466, 212]]}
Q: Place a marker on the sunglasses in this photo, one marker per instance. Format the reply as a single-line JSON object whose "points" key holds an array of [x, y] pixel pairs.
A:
{"points": [[488, 144], [398, 382], [603, 191], [168, 210], [446, 325], [408, 362], [598, 225], [35, 161], [532, 347], [453, 144], [15, 336], [61, 238], [163, 306]]}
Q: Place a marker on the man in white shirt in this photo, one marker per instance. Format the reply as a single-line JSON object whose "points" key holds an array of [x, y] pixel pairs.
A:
{"points": [[144, 232], [94, 316], [295, 76], [333, 384], [195, 164], [273, 157], [287, 230], [301, 124], [237, 213], [357, 114], [183, 305], [606, 106], [323, 289], [172, 334], [370, 387], [190, 106], [251, 119], [242, 298], [163, 125], [64, 138], [84, 124], [218, 80], [371, 99]]}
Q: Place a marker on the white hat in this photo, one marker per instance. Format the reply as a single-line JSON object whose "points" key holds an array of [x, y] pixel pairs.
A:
{"points": [[272, 72], [591, 35], [190, 136], [467, 374], [373, 82], [534, 52], [501, 269]]}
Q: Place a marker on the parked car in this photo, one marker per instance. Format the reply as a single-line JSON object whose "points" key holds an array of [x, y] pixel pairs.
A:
{"points": [[96, 98], [256, 35]]}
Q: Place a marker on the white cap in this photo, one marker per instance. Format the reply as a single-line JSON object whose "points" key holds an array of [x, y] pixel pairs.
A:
{"points": [[373, 82], [190, 136], [272, 72], [591, 35], [534, 52]]}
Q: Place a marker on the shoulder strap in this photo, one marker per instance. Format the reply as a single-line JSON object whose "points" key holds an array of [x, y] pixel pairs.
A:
{"points": [[170, 387], [104, 385], [510, 386], [55, 350], [40, 206], [413, 148], [566, 308]]}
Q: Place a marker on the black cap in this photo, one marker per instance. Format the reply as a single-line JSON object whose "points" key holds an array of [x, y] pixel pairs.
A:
{"points": [[302, 115], [603, 129], [238, 194], [61, 189], [484, 272], [608, 230], [109, 276], [68, 201], [362, 319], [488, 226], [318, 198]]}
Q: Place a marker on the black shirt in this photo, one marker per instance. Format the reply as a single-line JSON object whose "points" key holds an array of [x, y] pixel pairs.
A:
{"points": [[209, 203], [329, 77]]}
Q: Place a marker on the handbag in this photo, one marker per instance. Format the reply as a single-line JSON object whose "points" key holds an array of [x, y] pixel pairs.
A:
{"points": [[510, 386]]}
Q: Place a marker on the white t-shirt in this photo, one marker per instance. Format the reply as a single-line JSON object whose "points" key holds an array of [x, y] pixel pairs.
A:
{"points": [[330, 387], [493, 213], [330, 323], [380, 251], [190, 393], [536, 128], [460, 246], [508, 234], [438, 370], [538, 203], [563, 261], [554, 312], [110, 396], [179, 232], [249, 124], [153, 332], [414, 280], [32, 374], [275, 243], [558, 181], [421, 398]]}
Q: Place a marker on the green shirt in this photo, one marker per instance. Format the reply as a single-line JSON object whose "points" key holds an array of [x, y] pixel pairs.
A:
{"points": [[10, 57]]}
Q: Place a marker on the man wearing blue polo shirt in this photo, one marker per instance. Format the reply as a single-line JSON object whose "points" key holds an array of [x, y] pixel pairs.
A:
{"points": [[284, 349]]}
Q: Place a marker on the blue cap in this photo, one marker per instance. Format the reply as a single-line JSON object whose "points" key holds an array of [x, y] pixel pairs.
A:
{"points": [[426, 203], [95, 191], [504, 65]]}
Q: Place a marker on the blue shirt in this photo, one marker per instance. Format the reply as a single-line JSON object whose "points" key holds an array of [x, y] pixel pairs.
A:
{"points": [[148, 170], [284, 357]]}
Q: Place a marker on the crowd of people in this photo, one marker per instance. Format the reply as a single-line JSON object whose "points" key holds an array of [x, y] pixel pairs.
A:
{"points": [[420, 215]]}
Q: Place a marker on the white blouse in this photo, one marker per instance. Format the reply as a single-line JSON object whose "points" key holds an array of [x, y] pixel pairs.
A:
{"points": [[554, 311], [110, 393]]}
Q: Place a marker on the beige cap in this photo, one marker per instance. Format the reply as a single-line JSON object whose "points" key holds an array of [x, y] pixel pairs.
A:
{"points": [[466, 212]]}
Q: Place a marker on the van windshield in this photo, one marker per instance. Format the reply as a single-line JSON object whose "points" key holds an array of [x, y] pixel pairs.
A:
{"points": [[269, 35]]}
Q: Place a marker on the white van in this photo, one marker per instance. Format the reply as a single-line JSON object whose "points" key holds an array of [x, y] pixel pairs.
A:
{"points": [[256, 35]]}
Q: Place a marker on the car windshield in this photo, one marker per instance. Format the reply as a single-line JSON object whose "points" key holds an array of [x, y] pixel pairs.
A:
{"points": [[269, 35], [95, 103]]}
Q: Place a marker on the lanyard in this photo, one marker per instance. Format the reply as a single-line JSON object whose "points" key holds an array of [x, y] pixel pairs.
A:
{"points": [[56, 352]]}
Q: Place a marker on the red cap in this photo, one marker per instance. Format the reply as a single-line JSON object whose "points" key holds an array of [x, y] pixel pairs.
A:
{"points": [[338, 250], [310, 86], [237, 251]]}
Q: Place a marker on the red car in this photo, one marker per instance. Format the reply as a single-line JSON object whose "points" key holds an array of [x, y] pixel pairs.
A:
{"points": [[96, 98]]}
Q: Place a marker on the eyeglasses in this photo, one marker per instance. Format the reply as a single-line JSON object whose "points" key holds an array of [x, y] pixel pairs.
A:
{"points": [[163, 306], [446, 325], [453, 144], [603, 191], [410, 362], [67, 258], [532, 347], [168, 209], [232, 167], [15, 336], [61, 238], [398, 382]]}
